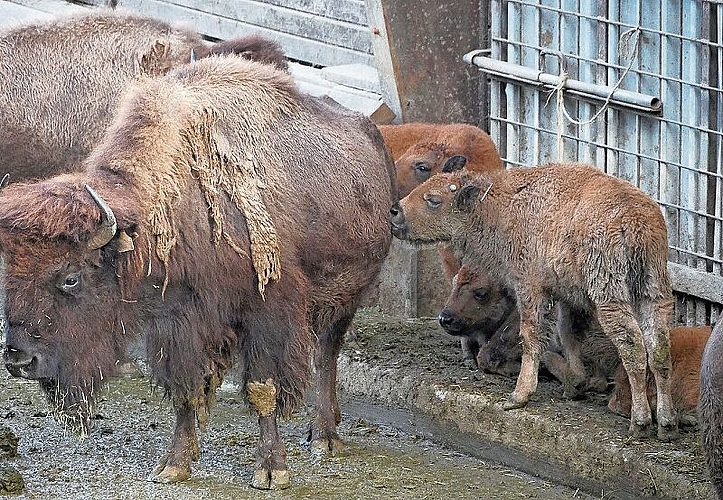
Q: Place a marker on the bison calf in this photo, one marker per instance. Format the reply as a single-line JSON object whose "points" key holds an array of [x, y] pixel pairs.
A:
{"points": [[421, 150], [485, 315], [567, 233], [686, 351]]}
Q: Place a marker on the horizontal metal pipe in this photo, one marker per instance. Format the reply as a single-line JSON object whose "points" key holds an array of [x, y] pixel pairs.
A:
{"points": [[532, 76]]}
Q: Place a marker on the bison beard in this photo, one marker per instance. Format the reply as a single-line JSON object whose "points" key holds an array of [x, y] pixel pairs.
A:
{"points": [[316, 182]]}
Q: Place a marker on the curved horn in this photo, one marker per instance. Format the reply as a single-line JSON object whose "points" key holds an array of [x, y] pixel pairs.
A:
{"points": [[108, 225]]}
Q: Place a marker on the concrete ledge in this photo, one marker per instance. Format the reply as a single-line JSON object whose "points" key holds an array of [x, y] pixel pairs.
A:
{"points": [[409, 364]]}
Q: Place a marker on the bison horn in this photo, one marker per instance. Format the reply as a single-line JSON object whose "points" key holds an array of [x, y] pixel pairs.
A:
{"points": [[108, 224]]}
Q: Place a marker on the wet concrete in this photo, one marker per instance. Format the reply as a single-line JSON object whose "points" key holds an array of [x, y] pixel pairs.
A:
{"points": [[413, 364]]}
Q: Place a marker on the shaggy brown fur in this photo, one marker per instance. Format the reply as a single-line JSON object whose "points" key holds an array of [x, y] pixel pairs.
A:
{"points": [[61, 80], [566, 233], [686, 351], [421, 150], [710, 406], [184, 165]]}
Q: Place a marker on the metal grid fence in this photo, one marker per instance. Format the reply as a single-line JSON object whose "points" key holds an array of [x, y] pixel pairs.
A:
{"points": [[669, 49]]}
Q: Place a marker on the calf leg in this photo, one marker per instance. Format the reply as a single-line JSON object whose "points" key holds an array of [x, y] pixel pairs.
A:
{"points": [[175, 466], [534, 330], [470, 349], [322, 434], [618, 322], [655, 318], [574, 379], [271, 471]]}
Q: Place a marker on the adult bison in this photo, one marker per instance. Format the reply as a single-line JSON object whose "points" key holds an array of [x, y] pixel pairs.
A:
{"points": [[569, 234], [60, 81], [223, 216], [710, 406]]}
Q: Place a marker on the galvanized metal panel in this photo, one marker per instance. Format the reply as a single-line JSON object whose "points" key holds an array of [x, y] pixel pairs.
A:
{"points": [[321, 33]]}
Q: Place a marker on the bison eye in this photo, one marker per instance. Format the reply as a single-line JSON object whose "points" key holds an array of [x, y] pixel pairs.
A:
{"points": [[481, 296], [71, 283], [422, 171], [433, 201]]}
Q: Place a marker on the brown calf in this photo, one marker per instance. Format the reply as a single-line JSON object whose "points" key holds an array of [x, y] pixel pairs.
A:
{"points": [[562, 233]]}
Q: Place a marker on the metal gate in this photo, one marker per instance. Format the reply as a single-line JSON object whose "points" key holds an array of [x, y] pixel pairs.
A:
{"points": [[635, 88]]}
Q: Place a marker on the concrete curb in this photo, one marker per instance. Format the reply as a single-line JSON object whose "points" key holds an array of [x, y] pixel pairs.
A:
{"points": [[587, 453]]}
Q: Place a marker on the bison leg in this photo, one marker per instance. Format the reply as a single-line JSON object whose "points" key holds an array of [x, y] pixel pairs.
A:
{"points": [[271, 472], [573, 382], [656, 335], [470, 348], [534, 330], [175, 466], [618, 322], [322, 434]]}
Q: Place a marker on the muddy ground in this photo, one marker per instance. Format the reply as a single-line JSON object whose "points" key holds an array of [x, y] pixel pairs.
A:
{"points": [[416, 422]]}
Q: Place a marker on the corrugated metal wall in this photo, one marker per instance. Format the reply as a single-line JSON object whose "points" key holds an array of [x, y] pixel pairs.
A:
{"points": [[674, 51], [321, 32]]}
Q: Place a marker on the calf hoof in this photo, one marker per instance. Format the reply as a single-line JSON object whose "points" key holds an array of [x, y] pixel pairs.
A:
{"points": [[169, 474], [688, 421], [514, 401], [640, 430], [470, 363], [667, 433], [265, 479]]}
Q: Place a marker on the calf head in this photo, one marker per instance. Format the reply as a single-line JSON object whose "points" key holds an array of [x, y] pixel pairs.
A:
{"points": [[62, 295], [423, 160], [476, 304], [435, 210]]}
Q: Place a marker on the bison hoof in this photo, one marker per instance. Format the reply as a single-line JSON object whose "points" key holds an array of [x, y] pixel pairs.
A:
{"points": [[513, 402], [667, 433], [170, 474], [688, 421], [265, 479], [327, 446], [640, 430]]}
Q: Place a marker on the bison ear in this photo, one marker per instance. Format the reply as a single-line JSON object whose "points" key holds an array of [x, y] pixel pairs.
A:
{"points": [[466, 197], [457, 162]]}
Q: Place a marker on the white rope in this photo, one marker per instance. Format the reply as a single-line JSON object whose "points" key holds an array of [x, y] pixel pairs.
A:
{"points": [[559, 90]]}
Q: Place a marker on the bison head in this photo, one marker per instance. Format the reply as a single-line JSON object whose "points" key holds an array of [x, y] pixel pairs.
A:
{"points": [[476, 304], [60, 246], [420, 162], [435, 210]]}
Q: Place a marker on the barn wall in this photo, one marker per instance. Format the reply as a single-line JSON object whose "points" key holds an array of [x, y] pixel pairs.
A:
{"points": [[671, 50]]}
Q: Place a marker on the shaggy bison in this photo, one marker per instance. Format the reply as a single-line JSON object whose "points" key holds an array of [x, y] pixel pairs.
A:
{"points": [[223, 216], [60, 81], [569, 234], [710, 406]]}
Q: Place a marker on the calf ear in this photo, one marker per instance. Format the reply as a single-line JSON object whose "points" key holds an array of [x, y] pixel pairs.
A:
{"points": [[466, 197], [455, 163]]}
